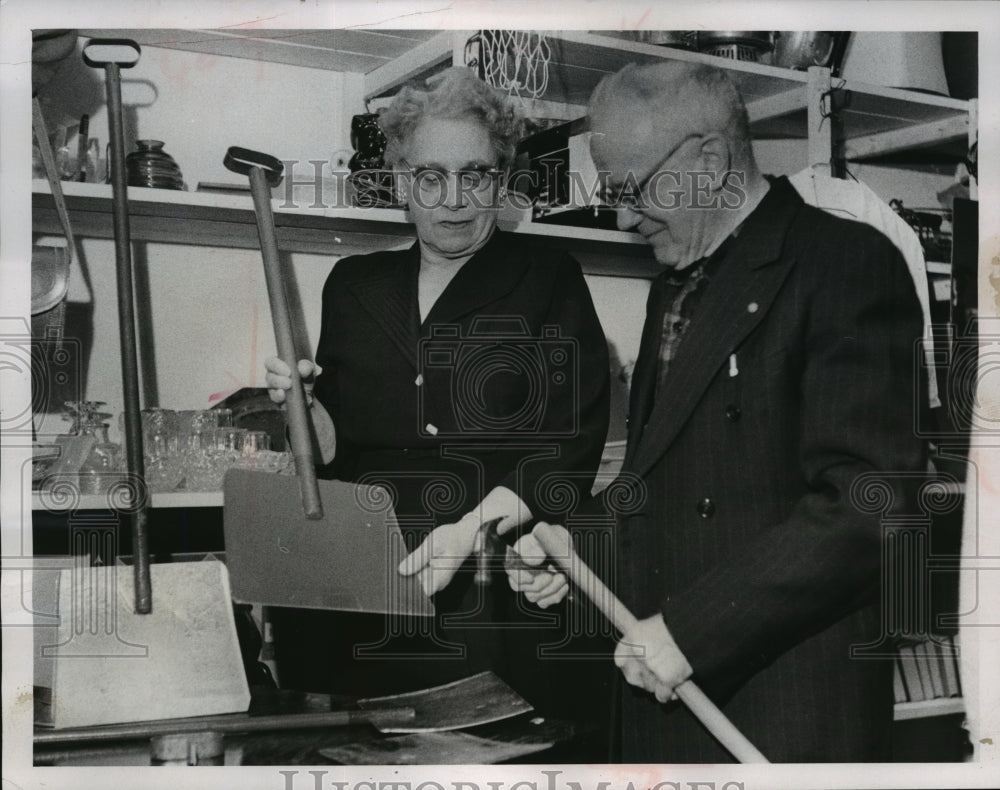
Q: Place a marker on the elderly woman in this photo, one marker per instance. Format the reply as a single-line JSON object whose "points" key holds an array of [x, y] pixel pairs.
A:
{"points": [[467, 374]]}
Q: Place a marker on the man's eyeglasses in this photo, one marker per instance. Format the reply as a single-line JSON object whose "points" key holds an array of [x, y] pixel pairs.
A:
{"points": [[433, 181], [632, 194]]}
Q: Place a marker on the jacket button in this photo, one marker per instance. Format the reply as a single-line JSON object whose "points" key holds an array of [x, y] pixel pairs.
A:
{"points": [[706, 508], [733, 413]]}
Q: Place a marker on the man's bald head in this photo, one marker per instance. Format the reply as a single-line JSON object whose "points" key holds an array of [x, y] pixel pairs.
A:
{"points": [[675, 99]]}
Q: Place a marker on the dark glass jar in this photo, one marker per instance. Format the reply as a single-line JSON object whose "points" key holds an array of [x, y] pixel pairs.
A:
{"points": [[151, 166]]}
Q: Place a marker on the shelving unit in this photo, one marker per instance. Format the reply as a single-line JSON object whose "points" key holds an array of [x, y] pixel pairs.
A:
{"points": [[876, 120], [782, 104]]}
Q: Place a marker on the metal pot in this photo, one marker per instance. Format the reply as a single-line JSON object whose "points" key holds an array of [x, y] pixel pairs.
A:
{"points": [[801, 49], [679, 39]]}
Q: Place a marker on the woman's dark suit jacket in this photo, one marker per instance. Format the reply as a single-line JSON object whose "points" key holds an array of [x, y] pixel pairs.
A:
{"points": [[506, 382], [784, 435]]}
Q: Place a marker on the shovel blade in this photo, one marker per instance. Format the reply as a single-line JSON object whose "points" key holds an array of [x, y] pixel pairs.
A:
{"points": [[479, 699], [346, 561]]}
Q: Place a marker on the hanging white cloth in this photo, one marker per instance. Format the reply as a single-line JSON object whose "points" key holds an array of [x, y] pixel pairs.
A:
{"points": [[857, 201]]}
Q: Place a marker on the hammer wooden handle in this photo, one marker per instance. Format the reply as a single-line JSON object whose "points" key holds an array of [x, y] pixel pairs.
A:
{"points": [[558, 544]]}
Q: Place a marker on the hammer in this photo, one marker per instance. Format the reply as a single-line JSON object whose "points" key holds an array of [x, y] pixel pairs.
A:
{"points": [[265, 172], [557, 543]]}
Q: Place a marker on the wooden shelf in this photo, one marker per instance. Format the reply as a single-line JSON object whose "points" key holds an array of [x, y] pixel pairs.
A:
{"points": [[213, 220], [942, 706], [43, 501]]}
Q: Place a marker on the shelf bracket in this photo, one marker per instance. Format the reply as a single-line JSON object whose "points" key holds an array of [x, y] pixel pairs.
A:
{"points": [[973, 133], [820, 121]]}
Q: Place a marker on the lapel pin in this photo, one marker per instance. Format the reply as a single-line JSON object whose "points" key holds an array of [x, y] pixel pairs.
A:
{"points": [[753, 307]]}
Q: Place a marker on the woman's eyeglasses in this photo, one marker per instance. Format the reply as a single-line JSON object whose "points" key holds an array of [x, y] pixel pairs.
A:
{"points": [[433, 181]]}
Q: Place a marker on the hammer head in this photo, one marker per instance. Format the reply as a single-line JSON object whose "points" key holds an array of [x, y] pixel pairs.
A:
{"points": [[122, 52], [243, 160]]}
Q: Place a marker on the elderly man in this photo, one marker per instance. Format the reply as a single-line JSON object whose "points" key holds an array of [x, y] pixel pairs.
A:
{"points": [[775, 381]]}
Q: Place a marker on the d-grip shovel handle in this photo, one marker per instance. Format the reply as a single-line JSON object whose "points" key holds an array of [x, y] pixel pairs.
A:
{"points": [[557, 543], [101, 52], [265, 171]]}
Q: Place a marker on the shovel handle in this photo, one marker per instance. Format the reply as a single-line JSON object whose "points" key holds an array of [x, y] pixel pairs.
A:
{"points": [[298, 419], [102, 52], [113, 55], [558, 544]]}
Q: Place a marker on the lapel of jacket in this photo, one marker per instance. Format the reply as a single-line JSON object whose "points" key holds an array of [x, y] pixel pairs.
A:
{"points": [[389, 295], [488, 275], [735, 301]]}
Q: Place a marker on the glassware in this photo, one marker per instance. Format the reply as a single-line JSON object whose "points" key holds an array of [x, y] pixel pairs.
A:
{"points": [[96, 167], [164, 472], [230, 440], [151, 166], [87, 418], [206, 471], [256, 452], [164, 461], [219, 450], [267, 461], [101, 469], [194, 426], [255, 442]]}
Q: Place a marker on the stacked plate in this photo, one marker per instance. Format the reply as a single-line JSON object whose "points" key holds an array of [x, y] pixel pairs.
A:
{"points": [[151, 166]]}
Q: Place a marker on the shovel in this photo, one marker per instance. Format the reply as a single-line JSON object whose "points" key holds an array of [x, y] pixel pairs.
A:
{"points": [[114, 54], [265, 172], [557, 543], [342, 560]]}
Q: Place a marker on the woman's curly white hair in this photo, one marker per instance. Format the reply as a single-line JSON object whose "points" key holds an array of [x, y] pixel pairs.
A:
{"points": [[455, 94]]}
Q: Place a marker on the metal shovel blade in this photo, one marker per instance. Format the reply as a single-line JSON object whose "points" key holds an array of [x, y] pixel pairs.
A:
{"points": [[345, 561], [475, 700]]}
